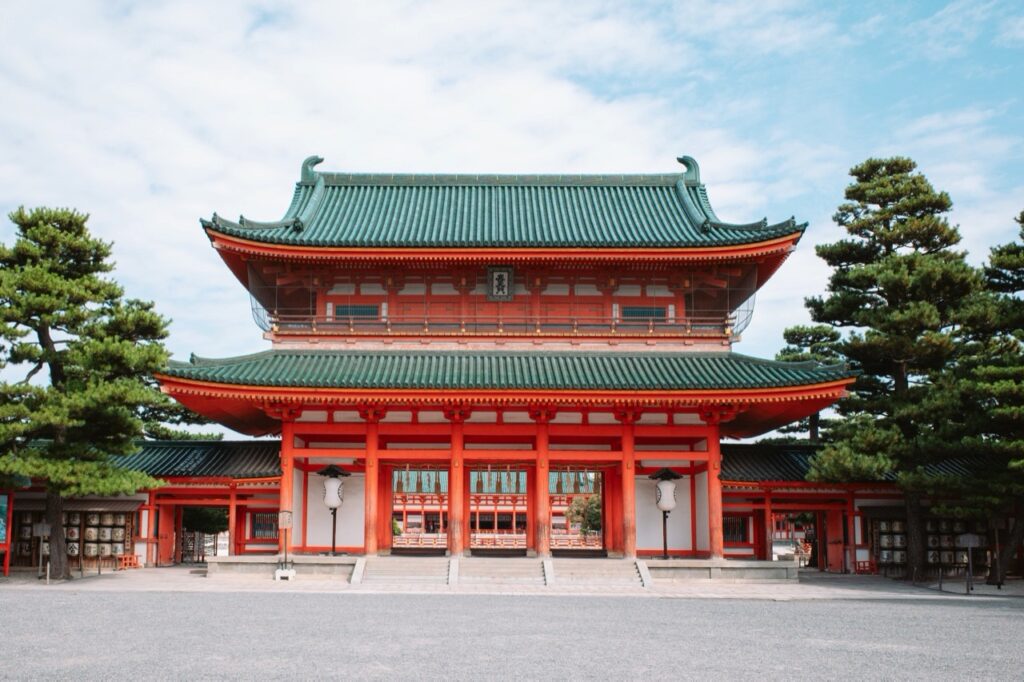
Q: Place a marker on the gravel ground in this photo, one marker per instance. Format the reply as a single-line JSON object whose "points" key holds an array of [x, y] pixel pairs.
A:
{"points": [[73, 634]]}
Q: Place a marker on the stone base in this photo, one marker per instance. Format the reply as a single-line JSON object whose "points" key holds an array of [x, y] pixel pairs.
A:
{"points": [[324, 567], [726, 570]]}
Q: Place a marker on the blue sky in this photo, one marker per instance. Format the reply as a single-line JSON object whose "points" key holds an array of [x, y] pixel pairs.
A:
{"points": [[151, 115]]}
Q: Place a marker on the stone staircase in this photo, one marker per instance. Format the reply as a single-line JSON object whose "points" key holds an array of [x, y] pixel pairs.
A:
{"points": [[404, 570], [498, 571], [597, 572]]}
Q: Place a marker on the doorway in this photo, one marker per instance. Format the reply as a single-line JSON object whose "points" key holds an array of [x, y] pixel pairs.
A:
{"points": [[419, 510], [498, 510], [577, 510]]}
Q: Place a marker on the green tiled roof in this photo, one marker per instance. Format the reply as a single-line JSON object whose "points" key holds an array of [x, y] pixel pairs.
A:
{"points": [[792, 462], [500, 370], [524, 211], [206, 458]]}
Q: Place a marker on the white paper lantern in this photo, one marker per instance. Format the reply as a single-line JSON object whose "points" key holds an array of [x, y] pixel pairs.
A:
{"points": [[666, 495], [334, 489]]}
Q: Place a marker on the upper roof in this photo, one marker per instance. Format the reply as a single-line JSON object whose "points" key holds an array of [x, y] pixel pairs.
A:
{"points": [[514, 211], [488, 370]]}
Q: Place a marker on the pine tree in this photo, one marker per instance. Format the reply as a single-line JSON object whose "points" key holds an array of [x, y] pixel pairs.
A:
{"points": [[902, 288], [805, 343], [85, 350], [990, 384]]}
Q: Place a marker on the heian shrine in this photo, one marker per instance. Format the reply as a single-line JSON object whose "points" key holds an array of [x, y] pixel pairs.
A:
{"points": [[496, 364], [477, 352]]}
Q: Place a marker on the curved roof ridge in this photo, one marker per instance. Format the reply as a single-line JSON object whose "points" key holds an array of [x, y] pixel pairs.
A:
{"points": [[383, 210]]}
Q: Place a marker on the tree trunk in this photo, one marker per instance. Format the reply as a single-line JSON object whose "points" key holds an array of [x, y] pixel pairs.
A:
{"points": [[59, 567], [814, 426], [1008, 544], [915, 537]]}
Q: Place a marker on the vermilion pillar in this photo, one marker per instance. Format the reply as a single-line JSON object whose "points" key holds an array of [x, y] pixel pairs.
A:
{"points": [[628, 486], [372, 483], [769, 524], [542, 496], [287, 480], [232, 520], [715, 533], [456, 488]]}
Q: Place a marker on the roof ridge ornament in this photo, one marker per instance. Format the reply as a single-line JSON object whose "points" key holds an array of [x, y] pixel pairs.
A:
{"points": [[692, 174], [309, 175]]}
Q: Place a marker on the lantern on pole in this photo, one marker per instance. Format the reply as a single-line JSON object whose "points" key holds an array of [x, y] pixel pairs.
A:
{"points": [[334, 496], [665, 498]]}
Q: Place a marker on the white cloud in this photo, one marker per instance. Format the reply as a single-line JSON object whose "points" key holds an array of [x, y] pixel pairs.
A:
{"points": [[1011, 31], [953, 29]]}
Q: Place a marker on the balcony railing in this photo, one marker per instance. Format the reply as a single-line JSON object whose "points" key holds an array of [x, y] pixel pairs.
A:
{"points": [[440, 325]]}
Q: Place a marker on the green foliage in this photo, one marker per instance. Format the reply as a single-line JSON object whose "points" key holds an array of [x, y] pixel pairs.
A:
{"points": [[83, 351], [905, 292], [209, 520], [586, 511], [805, 343]]}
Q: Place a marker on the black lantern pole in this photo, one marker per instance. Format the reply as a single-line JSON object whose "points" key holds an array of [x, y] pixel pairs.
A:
{"points": [[333, 491], [666, 501]]}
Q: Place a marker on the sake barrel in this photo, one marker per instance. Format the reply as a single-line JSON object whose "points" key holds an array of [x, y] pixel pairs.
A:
{"points": [[106, 519], [72, 549], [74, 518], [898, 526], [105, 549], [92, 519], [46, 548], [71, 532], [92, 535], [106, 534], [899, 540], [92, 549], [119, 519], [117, 534], [117, 548], [885, 540]]}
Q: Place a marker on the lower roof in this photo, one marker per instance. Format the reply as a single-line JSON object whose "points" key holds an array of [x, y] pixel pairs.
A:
{"points": [[530, 370]]}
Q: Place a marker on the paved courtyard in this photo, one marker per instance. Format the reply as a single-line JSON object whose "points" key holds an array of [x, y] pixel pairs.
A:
{"points": [[91, 630]]}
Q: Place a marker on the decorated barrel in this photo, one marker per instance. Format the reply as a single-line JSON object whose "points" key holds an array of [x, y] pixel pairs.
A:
{"points": [[885, 540], [71, 533], [933, 541], [92, 519], [46, 548], [947, 541], [933, 557], [25, 532], [117, 548], [106, 519], [24, 548], [899, 540], [106, 534], [92, 535], [885, 556], [883, 526], [959, 526], [92, 549], [74, 518], [899, 557], [931, 525], [945, 526], [105, 549], [947, 557], [898, 527], [961, 557], [119, 519], [72, 549], [117, 534]]}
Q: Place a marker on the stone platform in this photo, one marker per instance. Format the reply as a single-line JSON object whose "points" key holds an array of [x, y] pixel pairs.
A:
{"points": [[640, 573]]}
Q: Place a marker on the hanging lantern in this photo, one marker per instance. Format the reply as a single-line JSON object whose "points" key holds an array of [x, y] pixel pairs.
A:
{"points": [[665, 493], [333, 485]]}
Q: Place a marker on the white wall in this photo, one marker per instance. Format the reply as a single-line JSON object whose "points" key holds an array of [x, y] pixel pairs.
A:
{"points": [[350, 514], [648, 517], [703, 540]]}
